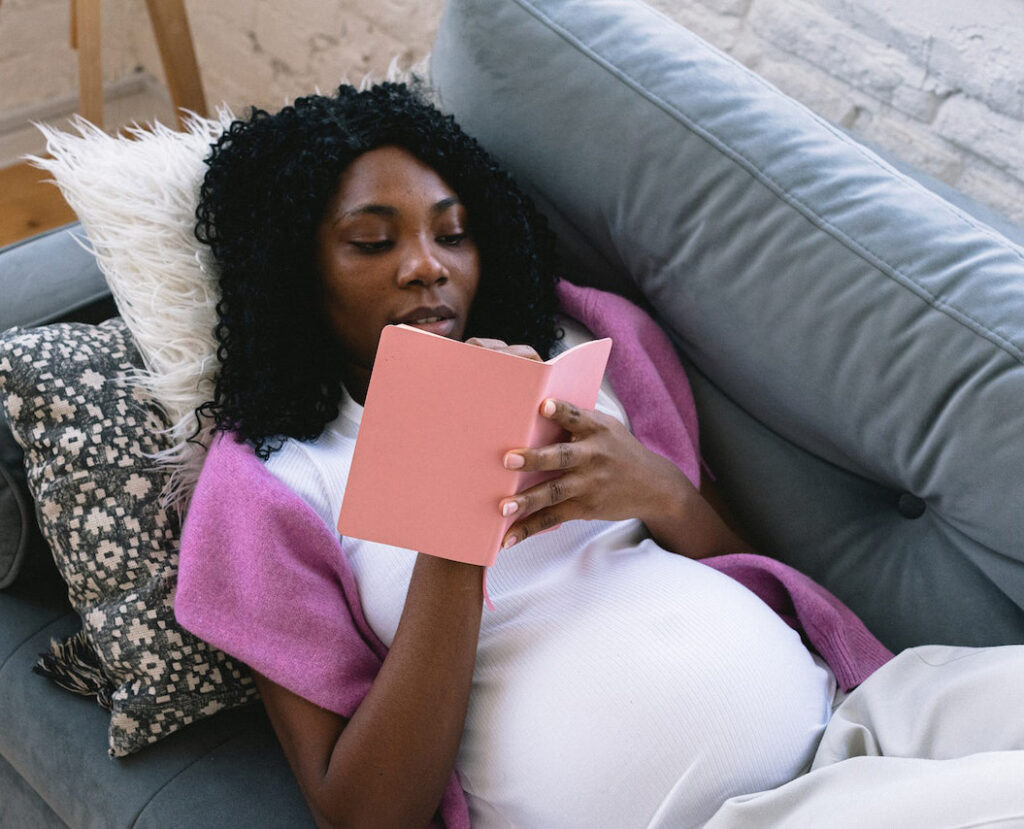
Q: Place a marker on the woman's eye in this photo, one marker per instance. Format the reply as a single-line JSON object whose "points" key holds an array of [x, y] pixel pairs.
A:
{"points": [[372, 247], [452, 239]]}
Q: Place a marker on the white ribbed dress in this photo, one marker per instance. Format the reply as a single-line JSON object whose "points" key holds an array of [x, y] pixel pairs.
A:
{"points": [[616, 684]]}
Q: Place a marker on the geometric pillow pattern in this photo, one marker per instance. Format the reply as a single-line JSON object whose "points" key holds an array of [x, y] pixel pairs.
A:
{"points": [[89, 433]]}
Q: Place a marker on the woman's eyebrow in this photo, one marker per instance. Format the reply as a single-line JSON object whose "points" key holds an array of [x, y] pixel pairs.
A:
{"points": [[368, 209], [373, 209], [444, 204]]}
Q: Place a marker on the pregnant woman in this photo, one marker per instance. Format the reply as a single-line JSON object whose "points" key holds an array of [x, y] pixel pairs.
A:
{"points": [[618, 682]]}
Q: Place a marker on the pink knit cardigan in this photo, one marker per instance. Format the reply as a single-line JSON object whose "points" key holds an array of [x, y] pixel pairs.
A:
{"points": [[264, 579]]}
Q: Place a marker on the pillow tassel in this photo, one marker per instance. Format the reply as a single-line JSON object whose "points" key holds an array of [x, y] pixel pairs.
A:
{"points": [[74, 666]]}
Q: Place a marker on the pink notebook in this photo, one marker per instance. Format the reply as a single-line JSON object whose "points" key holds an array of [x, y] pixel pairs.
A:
{"points": [[440, 415]]}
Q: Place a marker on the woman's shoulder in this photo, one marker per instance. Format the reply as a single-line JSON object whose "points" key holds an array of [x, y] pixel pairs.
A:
{"points": [[317, 469]]}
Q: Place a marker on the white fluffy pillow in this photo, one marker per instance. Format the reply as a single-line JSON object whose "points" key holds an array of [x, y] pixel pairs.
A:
{"points": [[136, 196]]}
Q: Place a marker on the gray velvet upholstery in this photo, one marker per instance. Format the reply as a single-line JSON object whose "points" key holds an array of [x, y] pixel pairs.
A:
{"points": [[854, 340], [20, 800], [36, 292], [851, 338], [18, 529]]}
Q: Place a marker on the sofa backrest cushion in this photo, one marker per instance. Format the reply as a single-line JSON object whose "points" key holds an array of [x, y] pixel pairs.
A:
{"points": [[855, 341]]}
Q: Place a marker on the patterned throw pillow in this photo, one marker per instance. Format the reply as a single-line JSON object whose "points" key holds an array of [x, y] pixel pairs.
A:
{"points": [[88, 433]]}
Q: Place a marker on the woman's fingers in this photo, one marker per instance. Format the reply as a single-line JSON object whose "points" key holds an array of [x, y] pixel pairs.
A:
{"points": [[556, 456], [569, 417], [547, 504], [500, 345], [550, 493], [603, 472], [542, 521]]}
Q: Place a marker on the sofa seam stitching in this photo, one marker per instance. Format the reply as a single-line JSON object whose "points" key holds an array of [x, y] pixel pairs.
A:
{"points": [[35, 632], [177, 774], [859, 249]]}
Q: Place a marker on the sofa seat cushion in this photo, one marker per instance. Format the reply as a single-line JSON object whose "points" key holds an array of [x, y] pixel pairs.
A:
{"points": [[21, 805], [228, 771]]}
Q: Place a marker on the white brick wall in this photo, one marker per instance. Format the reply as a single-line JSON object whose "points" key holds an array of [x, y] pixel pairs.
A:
{"points": [[264, 52], [939, 83]]}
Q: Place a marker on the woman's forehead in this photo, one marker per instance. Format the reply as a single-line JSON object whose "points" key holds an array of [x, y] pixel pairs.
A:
{"points": [[390, 173]]}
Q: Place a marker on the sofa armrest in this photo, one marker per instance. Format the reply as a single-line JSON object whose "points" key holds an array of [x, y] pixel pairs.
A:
{"points": [[51, 277]]}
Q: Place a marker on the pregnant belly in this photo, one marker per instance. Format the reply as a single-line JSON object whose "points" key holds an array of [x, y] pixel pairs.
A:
{"points": [[654, 687]]}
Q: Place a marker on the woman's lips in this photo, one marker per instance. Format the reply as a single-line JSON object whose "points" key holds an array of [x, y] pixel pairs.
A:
{"points": [[442, 326], [438, 320]]}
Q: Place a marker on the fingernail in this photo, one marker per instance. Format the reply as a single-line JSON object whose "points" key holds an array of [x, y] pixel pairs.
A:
{"points": [[509, 508], [548, 408], [513, 461], [508, 542]]}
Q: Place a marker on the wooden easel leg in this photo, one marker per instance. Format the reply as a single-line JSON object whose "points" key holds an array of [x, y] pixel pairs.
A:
{"points": [[174, 40], [87, 29]]}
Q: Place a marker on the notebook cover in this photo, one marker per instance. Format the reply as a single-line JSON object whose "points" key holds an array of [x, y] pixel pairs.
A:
{"points": [[439, 417]]}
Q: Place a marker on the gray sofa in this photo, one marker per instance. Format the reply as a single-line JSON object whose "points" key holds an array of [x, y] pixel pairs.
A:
{"points": [[854, 341]]}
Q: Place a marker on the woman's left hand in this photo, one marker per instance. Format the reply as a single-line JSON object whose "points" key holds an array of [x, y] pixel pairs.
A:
{"points": [[605, 471]]}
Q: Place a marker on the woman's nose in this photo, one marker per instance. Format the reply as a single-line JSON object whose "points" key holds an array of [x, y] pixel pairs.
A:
{"points": [[420, 266]]}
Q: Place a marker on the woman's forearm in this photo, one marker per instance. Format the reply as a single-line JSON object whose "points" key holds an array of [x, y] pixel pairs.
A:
{"points": [[389, 764], [404, 738]]}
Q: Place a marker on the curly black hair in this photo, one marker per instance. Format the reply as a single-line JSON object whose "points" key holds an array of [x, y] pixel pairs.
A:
{"points": [[269, 180]]}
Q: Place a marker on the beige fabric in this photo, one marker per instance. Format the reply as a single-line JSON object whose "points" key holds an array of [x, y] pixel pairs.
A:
{"points": [[933, 740]]}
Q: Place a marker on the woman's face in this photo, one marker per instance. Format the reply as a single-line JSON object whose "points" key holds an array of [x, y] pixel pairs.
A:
{"points": [[394, 246]]}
